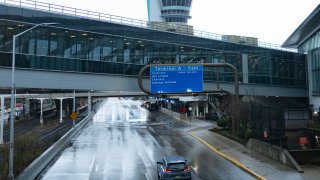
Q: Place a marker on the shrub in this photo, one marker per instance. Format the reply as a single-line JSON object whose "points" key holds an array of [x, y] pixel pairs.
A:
{"points": [[244, 133], [224, 122], [4, 152], [27, 147]]}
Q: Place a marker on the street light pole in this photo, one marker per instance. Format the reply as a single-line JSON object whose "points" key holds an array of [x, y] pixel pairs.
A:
{"points": [[11, 175]]}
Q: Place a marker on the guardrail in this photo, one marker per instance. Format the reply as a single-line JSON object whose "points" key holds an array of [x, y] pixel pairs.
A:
{"points": [[38, 165], [128, 21]]}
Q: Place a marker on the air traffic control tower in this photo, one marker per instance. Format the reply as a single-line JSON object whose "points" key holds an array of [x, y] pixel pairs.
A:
{"points": [[170, 15]]}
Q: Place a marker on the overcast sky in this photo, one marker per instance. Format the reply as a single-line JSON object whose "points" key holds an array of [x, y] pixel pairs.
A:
{"points": [[270, 21]]}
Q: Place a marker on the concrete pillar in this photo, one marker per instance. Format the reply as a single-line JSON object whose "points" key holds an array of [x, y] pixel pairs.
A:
{"points": [[193, 109], [2, 119], [41, 113], [27, 108], [197, 108], [206, 108], [79, 105], [177, 58], [169, 105], [67, 111], [61, 100], [74, 102], [245, 68], [89, 102]]}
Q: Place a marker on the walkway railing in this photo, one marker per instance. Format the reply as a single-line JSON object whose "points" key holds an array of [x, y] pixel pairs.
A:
{"points": [[124, 20]]}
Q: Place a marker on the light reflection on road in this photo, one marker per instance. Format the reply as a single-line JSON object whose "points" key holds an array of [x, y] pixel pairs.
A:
{"points": [[121, 111], [124, 141], [109, 148]]}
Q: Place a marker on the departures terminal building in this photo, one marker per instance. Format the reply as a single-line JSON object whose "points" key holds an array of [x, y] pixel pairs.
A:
{"points": [[306, 38], [84, 42]]}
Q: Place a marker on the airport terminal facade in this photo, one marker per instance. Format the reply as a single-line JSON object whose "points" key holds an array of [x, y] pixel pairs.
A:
{"points": [[122, 46], [85, 45], [306, 38]]}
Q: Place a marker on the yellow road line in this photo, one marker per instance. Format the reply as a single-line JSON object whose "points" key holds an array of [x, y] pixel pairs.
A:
{"points": [[231, 159]]}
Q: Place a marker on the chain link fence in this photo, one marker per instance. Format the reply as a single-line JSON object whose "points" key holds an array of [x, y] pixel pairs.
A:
{"points": [[268, 124]]}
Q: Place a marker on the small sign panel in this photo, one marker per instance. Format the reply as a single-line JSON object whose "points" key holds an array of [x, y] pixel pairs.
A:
{"points": [[176, 79], [73, 115]]}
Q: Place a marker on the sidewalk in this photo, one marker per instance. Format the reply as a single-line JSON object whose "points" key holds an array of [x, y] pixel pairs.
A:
{"points": [[247, 159]]}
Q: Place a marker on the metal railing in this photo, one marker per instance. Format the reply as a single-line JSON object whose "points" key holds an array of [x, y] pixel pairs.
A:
{"points": [[53, 8]]}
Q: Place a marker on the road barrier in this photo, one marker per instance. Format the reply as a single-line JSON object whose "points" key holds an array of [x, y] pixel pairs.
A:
{"points": [[38, 165]]}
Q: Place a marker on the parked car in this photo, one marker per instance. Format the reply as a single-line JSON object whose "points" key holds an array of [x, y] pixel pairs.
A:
{"points": [[173, 167]]}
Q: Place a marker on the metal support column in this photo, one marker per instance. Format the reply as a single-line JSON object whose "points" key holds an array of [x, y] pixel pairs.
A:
{"points": [[74, 102], [61, 99], [2, 119], [74, 108], [89, 102], [41, 109], [197, 108]]}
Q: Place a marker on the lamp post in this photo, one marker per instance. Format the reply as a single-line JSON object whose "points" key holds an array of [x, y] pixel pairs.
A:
{"points": [[11, 175]]}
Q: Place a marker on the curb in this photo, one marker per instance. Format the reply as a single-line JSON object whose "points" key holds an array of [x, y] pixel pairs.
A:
{"points": [[229, 158]]}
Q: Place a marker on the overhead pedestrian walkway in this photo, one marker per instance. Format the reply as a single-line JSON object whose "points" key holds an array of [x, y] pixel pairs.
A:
{"points": [[83, 50]]}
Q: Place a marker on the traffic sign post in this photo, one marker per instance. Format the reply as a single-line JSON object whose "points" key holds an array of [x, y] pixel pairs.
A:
{"points": [[176, 79], [143, 71]]}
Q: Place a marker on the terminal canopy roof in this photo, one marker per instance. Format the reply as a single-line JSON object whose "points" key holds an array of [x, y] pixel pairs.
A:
{"points": [[306, 29]]}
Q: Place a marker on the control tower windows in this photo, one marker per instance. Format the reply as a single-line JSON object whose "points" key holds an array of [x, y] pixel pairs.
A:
{"points": [[176, 19], [176, 3]]}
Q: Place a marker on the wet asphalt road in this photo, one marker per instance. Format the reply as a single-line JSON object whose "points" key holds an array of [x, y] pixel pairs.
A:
{"points": [[124, 141]]}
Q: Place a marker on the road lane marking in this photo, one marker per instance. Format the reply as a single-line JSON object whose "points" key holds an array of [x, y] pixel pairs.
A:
{"points": [[173, 149], [194, 169], [143, 154], [229, 158], [91, 164], [153, 139], [97, 168]]}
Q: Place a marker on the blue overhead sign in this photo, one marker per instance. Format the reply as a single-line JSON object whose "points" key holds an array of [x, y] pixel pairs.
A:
{"points": [[176, 79]]}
